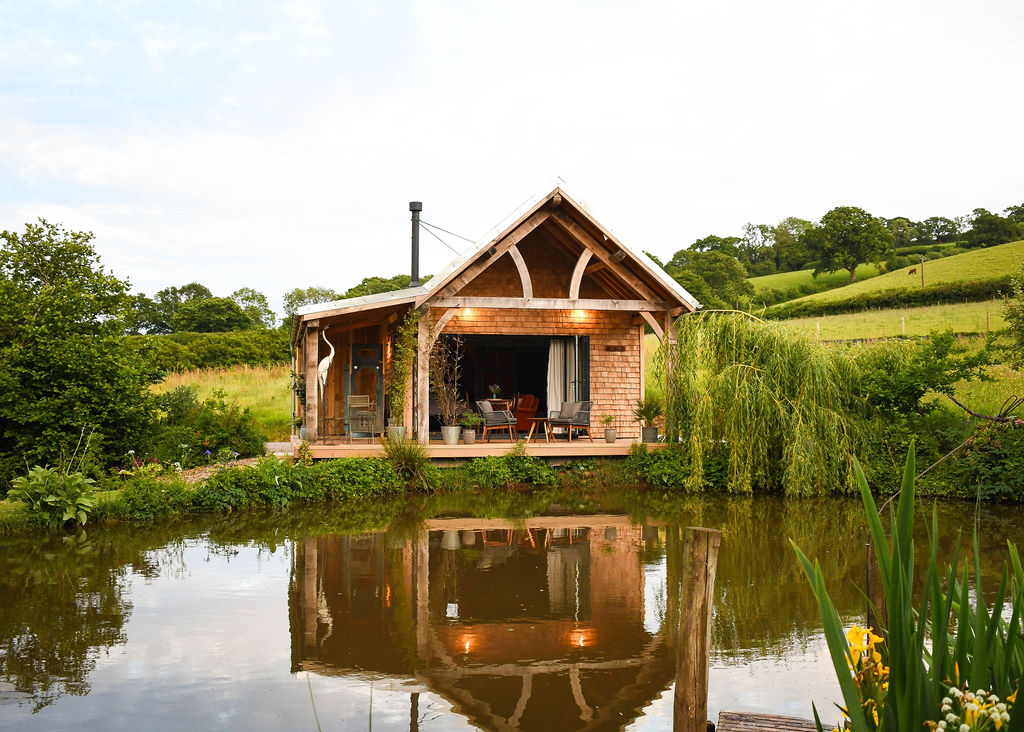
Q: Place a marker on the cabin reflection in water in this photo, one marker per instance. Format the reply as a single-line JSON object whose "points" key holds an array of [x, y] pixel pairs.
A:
{"points": [[534, 625]]}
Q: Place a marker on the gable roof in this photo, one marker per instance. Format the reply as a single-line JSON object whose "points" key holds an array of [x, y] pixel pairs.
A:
{"points": [[422, 294]]}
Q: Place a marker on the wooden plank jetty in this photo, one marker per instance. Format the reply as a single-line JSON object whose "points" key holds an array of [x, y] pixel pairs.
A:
{"points": [[746, 722]]}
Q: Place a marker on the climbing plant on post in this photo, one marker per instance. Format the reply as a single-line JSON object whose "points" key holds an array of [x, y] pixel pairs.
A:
{"points": [[402, 359]]}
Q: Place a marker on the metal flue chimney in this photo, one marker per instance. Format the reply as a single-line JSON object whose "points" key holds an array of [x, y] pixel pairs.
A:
{"points": [[414, 277]]}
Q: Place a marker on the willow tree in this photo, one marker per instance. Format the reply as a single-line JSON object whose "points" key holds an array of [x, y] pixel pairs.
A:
{"points": [[780, 406]]}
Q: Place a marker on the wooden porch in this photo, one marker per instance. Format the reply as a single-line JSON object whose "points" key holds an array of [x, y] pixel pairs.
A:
{"points": [[437, 450]]}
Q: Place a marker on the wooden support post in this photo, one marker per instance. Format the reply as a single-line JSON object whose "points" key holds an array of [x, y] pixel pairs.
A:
{"points": [[700, 560], [312, 350], [877, 613], [423, 345]]}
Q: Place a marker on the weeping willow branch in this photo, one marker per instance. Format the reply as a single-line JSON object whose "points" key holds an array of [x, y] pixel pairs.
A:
{"points": [[775, 404]]}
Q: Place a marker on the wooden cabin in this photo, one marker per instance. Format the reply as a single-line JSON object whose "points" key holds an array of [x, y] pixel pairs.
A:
{"points": [[553, 305]]}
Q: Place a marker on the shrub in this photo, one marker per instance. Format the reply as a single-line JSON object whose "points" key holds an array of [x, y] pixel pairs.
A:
{"points": [[513, 468], [410, 462], [147, 497], [55, 498], [191, 432]]}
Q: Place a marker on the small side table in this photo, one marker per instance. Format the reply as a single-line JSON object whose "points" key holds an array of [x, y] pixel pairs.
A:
{"points": [[545, 425]]}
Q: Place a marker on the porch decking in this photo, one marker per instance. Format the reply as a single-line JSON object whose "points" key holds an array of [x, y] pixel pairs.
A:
{"points": [[438, 450]]}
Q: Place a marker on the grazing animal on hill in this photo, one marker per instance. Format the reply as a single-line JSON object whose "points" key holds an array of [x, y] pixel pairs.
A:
{"points": [[913, 271]]}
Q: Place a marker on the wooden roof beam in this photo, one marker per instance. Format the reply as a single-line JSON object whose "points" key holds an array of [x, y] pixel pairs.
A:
{"points": [[551, 303], [602, 253], [487, 257]]}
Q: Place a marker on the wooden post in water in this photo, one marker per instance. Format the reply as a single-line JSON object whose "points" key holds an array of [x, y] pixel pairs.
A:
{"points": [[700, 559]]}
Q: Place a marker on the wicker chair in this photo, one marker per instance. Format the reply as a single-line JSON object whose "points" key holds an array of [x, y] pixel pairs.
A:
{"points": [[496, 420], [573, 416]]}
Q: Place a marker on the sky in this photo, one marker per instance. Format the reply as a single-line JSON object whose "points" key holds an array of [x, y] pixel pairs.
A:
{"points": [[277, 144]]}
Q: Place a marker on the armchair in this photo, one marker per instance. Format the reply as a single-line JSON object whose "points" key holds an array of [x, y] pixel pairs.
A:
{"points": [[501, 420], [574, 416]]}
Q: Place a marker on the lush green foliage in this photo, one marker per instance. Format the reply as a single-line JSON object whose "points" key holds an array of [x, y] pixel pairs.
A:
{"points": [[513, 468], [192, 432], [783, 286], [971, 645], [55, 497], [716, 279], [1015, 319], [187, 351], [898, 374], [255, 306], [401, 364], [154, 315], [989, 229], [782, 404], [64, 363], [210, 315], [847, 237], [648, 409]]}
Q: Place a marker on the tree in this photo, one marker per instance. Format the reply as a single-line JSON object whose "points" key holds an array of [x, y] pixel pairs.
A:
{"points": [[255, 306], [790, 253], [377, 285], [989, 229], [724, 278], [154, 315], [904, 231], [210, 315], [727, 245], [1015, 213], [65, 367], [847, 237], [300, 298], [938, 229]]}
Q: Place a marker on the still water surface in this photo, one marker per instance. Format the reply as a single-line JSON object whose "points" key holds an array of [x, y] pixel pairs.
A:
{"points": [[425, 616]]}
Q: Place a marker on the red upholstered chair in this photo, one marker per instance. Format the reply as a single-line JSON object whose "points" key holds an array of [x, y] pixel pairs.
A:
{"points": [[526, 410]]}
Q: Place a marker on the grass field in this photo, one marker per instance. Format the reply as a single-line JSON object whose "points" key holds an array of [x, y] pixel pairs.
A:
{"points": [[263, 389], [972, 317], [977, 265], [828, 280], [986, 397]]}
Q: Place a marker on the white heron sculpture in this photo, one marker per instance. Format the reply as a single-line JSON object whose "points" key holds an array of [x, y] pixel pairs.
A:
{"points": [[324, 366]]}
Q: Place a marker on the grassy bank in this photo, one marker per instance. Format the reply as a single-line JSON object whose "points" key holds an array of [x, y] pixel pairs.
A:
{"points": [[805, 278], [972, 317], [974, 266], [263, 389]]}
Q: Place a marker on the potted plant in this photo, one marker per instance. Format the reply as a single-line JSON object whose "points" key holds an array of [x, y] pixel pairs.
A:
{"points": [[301, 429], [495, 389], [609, 431], [470, 421], [445, 372], [645, 411], [400, 373]]}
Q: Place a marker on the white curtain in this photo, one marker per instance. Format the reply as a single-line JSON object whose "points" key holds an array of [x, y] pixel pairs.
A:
{"points": [[561, 373]]}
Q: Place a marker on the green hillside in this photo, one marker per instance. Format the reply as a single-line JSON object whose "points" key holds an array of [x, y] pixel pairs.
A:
{"points": [[978, 265], [805, 277], [971, 317]]}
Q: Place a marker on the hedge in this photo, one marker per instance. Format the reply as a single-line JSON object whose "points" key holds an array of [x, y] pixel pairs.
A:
{"points": [[950, 292], [187, 351]]}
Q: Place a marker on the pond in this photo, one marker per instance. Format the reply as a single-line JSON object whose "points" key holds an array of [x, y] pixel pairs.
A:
{"points": [[426, 616]]}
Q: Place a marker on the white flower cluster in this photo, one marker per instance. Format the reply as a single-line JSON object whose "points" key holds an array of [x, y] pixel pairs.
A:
{"points": [[966, 711]]}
